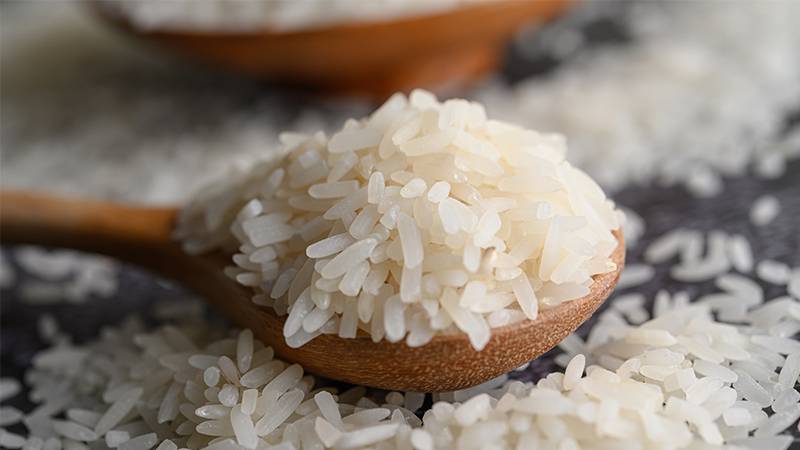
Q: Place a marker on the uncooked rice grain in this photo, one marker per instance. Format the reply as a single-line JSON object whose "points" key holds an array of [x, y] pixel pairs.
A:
{"points": [[634, 275], [764, 210]]}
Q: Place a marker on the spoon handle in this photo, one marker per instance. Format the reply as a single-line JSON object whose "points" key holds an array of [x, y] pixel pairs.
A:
{"points": [[133, 233]]}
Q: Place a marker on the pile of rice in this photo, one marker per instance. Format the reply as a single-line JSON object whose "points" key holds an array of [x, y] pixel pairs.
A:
{"points": [[678, 379], [423, 218]]}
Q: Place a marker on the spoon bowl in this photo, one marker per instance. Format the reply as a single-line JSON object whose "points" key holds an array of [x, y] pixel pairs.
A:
{"points": [[143, 236], [376, 59]]}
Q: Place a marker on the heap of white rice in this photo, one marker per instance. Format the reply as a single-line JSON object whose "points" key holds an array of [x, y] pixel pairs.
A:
{"points": [[423, 218]]}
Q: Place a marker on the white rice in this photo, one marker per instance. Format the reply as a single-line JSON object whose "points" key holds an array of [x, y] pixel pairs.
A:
{"points": [[680, 372], [9, 415], [694, 267], [608, 357], [143, 442], [740, 253], [790, 372], [634, 275], [666, 246], [634, 227], [574, 372], [485, 222], [794, 283], [786, 401], [74, 431], [118, 410], [75, 277], [11, 440], [9, 387], [764, 210], [114, 438], [652, 88], [773, 272]]}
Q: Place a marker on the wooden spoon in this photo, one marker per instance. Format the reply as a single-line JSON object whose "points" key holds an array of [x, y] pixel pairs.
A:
{"points": [[142, 235], [451, 48]]}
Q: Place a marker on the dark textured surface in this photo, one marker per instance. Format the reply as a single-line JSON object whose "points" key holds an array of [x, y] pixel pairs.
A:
{"points": [[662, 208]]}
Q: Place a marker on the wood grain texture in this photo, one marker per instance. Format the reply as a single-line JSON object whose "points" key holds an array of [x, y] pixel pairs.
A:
{"points": [[373, 59], [143, 236]]}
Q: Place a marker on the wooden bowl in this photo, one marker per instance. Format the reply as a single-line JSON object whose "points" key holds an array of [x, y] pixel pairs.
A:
{"points": [[436, 51]]}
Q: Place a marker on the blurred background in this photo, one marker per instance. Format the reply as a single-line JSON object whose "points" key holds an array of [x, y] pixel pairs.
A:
{"points": [[672, 92], [687, 112]]}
